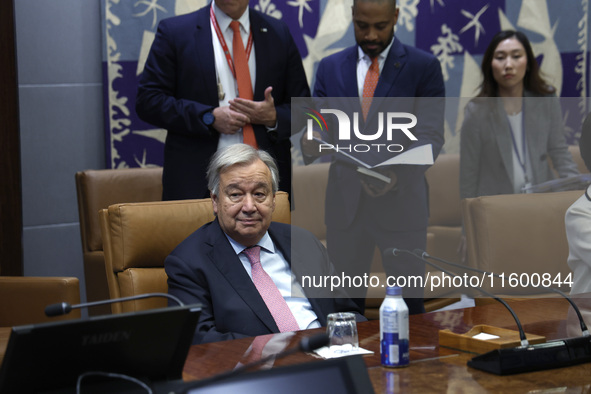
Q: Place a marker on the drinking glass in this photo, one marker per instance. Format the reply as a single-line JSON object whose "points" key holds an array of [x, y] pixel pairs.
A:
{"points": [[342, 332]]}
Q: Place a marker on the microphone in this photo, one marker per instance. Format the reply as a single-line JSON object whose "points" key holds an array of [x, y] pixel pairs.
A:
{"points": [[64, 308], [307, 344], [584, 328], [523, 338]]}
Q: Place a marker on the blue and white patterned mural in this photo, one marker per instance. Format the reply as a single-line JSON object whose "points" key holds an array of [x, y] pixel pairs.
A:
{"points": [[456, 31]]}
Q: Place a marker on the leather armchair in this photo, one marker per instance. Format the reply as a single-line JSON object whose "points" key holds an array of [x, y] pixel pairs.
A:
{"points": [[443, 233], [445, 215], [518, 234], [24, 298], [96, 190], [137, 237]]}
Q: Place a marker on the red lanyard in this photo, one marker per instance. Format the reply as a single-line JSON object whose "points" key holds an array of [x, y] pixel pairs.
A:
{"points": [[223, 42]]}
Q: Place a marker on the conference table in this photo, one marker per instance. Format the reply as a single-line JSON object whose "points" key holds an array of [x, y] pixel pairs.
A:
{"points": [[433, 368]]}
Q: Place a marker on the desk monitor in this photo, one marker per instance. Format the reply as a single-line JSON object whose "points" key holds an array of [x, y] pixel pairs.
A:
{"points": [[346, 375], [150, 345]]}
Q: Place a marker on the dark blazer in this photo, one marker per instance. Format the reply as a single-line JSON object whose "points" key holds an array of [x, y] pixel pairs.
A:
{"points": [[205, 269], [486, 147], [415, 77], [179, 85]]}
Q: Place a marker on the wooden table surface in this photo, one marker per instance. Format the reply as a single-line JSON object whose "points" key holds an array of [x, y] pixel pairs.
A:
{"points": [[432, 368]]}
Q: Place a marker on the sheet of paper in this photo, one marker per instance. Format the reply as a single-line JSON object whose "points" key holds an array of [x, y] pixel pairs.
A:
{"points": [[340, 351], [485, 337], [422, 155]]}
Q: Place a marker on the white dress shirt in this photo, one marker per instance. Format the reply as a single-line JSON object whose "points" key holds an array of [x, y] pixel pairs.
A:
{"points": [[578, 235], [516, 122], [364, 62], [224, 73]]}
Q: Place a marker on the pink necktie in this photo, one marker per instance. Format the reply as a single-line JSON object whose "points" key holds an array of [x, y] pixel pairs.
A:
{"points": [[242, 78], [270, 293], [257, 347], [369, 87]]}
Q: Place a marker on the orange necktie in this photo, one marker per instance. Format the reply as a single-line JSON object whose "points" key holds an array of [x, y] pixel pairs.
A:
{"points": [[369, 87], [242, 78]]}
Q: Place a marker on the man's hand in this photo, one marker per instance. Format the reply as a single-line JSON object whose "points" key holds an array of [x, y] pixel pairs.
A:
{"points": [[259, 112], [377, 191], [310, 147], [228, 121]]}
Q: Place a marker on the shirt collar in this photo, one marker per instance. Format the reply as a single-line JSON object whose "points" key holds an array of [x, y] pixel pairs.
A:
{"points": [[266, 243], [381, 57], [224, 20]]}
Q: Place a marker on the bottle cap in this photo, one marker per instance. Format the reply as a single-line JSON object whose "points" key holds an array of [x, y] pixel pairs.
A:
{"points": [[393, 290]]}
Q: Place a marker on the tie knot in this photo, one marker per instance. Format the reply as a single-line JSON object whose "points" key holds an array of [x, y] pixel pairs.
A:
{"points": [[253, 253], [235, 26], [375, 63]]}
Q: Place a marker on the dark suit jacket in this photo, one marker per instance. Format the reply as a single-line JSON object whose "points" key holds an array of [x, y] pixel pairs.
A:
{"points": [[486, 146], [179, 85], [415, 77], [205, 269]]}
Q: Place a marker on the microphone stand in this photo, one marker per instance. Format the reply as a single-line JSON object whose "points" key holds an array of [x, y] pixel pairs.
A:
{"points": [[522, 336], [528, 358], [584, 328], [65, 308]]}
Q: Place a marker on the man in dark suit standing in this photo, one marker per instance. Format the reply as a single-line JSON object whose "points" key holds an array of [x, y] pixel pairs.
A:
{"points": [[360, 213], [241, 267], [222, 75]]}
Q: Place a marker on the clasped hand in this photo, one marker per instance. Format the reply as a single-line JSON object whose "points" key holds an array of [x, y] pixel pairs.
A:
{"points": [[229, 119]]}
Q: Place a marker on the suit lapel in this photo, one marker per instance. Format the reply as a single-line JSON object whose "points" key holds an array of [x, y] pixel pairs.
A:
{"points": [[348, 68], [503, 136], [262, 47], [222, 255], [283, 242], [395, 62], [204, 54]]}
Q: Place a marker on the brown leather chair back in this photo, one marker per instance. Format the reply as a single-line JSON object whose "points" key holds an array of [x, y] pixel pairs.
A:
{"points": [[137, 237], [445, 215], [309, 191], [444, 191], [309, 188], [518, 234], [24, 298], [96, 190]]}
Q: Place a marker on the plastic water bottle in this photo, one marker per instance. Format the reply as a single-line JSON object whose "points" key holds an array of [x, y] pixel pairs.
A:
{"points": [[394, 329]]}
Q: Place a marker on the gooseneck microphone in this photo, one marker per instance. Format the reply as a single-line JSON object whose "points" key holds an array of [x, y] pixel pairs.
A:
{"points": [[584, 328], [64, 308], [551, 354], [522, 336], [307, 344]]}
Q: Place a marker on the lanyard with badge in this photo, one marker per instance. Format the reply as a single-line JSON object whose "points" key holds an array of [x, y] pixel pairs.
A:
{"points": [[222, 41], [521, 157]]}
